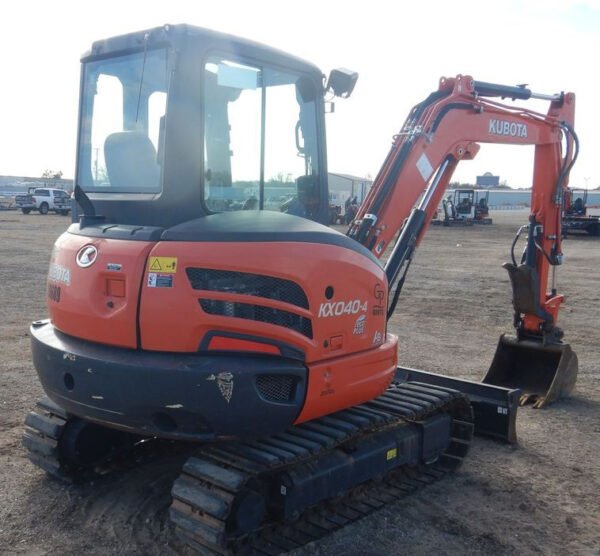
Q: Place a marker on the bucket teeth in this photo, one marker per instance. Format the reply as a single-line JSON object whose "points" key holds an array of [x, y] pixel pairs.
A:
{"points": [[536, 401]]}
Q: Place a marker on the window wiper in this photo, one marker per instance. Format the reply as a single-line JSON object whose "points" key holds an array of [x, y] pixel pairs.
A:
{"points": [[137, 111]]}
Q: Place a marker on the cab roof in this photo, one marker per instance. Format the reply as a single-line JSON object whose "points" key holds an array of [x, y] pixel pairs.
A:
{"points": [[184, 36]]}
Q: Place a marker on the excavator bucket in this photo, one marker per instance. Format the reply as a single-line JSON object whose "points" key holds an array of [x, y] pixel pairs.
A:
{"points": [[544, 373]]}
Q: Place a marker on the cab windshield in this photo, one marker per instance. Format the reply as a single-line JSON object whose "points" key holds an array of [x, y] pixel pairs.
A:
{"points": [[260, 139], [123, 108]]}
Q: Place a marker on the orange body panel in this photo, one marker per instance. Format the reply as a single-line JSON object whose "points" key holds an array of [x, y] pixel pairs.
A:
{"points": [[171, 318], [351, 380], [552, 304], [96, 303], [348, 355], [221, 343]]}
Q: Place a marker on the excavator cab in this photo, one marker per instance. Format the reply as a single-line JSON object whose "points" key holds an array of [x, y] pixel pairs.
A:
{"points": [[202, 234], [482, 207], [171, 131], [577, 202], [464, 201]]}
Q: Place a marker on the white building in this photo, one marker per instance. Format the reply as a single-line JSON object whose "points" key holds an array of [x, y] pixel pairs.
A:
{"points": [[345, 186]]}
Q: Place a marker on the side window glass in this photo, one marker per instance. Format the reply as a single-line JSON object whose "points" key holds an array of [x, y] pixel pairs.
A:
{"points": [[232, 136], [260, 140], [288, 186]]}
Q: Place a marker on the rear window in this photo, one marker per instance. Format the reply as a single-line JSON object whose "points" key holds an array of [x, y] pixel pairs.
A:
{"points": [[42, 192], [124, 104]]}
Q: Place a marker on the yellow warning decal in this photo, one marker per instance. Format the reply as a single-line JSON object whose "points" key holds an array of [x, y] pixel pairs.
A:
{"points": [[167, 265], [391, 454]]}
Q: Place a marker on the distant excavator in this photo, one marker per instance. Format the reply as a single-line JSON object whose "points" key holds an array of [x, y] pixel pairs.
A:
{"points": [[466, 207], [575, 215]]}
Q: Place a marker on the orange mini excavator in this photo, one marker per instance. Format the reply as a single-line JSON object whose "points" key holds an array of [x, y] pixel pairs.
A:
{"points": [[198, 295]]}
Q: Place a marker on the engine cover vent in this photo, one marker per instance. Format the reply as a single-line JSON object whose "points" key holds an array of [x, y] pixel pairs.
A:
{"points": [[245, 283], [259, 313], [277, 388]]}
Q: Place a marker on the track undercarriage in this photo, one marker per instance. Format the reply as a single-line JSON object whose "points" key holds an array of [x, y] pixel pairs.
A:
{"points": [[274, 494]]}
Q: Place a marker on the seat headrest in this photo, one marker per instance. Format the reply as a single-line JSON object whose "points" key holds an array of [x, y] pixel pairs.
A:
{"points": [[131, 161]]}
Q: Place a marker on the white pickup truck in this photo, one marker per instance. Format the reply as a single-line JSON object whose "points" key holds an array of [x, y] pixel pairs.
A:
{"points": [[44, 199]]}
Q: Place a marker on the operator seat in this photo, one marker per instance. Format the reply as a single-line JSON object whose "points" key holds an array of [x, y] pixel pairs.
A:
{"points": [[131, 161], [578, 206]]}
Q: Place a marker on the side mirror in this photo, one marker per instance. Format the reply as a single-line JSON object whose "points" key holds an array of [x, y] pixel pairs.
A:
{"points": [[341, 82]]}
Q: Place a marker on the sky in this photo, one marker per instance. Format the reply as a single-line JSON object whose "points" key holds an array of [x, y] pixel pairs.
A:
{"points": [[399, 49]]}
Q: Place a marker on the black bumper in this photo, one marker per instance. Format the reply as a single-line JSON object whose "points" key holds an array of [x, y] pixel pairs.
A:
{"points": [[171, 395]]}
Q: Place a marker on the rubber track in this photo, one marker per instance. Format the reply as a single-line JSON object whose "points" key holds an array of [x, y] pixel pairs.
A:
{"points": [[48, 424], [204, 496], [43, 429]]}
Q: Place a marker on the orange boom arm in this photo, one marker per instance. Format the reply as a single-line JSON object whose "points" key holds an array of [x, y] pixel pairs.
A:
{"points": [[446, 128]]}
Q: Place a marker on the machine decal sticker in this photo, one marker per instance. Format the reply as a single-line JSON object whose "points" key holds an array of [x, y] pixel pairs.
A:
{"points": [[359, 326], [225, 383], [115, 267], [378, 294], [59, 273], [328, 390], [339, 308], [54, 293], [504, 127], [424, 167], [377, 338], [156, 280], [166, 265]]}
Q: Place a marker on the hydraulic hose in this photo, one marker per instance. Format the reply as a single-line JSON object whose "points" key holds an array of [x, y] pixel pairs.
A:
{"points": [[514, 243]]}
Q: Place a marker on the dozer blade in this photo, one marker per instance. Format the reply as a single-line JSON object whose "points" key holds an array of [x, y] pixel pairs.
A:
{"points": [[494, 407], [544, 373]]}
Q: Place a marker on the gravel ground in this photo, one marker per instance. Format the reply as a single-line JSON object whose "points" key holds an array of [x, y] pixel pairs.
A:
{"points": [[540, 497]]}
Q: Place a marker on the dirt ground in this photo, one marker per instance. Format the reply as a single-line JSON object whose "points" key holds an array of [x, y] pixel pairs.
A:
{"points": [[540, 497]]}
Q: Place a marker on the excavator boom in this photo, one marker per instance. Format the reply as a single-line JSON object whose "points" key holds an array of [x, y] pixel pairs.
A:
{"points": [[444, 129]]}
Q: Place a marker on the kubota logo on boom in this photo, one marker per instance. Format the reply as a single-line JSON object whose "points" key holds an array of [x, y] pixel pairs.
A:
{"points": [[504, 127]]}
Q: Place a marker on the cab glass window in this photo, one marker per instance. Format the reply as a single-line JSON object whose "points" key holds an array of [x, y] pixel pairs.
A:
{"points": [[260, 139], [123, 107]]}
